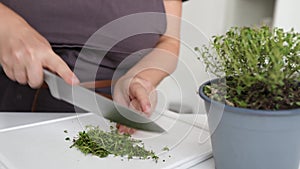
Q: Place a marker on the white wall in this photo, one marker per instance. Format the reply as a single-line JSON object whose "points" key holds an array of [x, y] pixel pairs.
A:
{"points": [[248, 13], [207, 15], [216, 16], [287, 14]]}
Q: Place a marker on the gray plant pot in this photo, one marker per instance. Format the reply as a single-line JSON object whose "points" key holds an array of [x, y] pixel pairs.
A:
{"points": [[253, 139]]}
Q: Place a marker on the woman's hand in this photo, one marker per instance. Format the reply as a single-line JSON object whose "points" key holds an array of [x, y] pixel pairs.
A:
{"points": [[135, 93], [24, 52], [139, 92]]}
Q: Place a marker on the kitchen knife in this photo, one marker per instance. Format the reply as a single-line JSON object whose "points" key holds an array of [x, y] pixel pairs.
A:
{"points": [[93, 102]]}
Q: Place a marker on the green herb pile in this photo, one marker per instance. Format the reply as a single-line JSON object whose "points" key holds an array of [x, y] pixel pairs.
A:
{"points": [[260, 68], [100, 143]]}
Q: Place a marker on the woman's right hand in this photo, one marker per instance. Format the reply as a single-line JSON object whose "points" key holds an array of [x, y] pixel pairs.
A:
{"points": [[24, 52]]}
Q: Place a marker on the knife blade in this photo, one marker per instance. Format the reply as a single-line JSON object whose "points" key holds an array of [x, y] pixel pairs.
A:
{"points": [[93, 102]]}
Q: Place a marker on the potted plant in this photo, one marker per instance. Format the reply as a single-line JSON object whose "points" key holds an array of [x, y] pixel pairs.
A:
{"points": [[254, 103]]}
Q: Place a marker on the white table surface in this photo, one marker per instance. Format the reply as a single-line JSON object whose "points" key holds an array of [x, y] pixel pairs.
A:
{"points": [[13, 120]]}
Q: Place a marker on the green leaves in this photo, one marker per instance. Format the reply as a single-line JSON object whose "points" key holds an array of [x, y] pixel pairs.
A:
{"points": [[251, 57], [166, 148], [100, 143]]}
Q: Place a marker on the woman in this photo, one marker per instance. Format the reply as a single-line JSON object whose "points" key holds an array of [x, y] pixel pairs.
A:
{"points": [[50, 34]]}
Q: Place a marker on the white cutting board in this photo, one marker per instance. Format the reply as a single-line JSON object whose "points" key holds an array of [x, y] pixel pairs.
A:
{"points": [[42, 145]]}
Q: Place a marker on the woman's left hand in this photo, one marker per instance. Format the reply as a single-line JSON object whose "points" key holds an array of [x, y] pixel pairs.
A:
{"points": [[135, 93]]}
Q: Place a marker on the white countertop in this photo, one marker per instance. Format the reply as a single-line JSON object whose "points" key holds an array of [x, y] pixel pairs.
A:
{"points": [[15, 121]]}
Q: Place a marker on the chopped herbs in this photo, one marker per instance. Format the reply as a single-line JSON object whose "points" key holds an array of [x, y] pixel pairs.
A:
{"points": [[67, 139], [65, 131], [101, 143], [166, 149]]}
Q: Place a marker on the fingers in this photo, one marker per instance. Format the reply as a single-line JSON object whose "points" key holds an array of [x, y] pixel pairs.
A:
{"points": [[134, 104], [57, 65], [119, 97], [35, 74], [137, 97], [9, 73], [141, 94], [28, 69], [125, 130], [20, 74]]}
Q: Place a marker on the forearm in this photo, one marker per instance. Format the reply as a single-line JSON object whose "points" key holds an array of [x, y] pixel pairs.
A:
{"points": [[162, 60], [8, 17], [159, 63]]}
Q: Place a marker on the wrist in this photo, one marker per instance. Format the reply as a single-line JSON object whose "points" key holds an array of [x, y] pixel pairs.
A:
{"points": [[137, 78], [10, 18], [153, 76]]}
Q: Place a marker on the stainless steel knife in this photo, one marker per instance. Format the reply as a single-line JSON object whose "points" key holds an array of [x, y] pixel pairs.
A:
{"points": [[93, 102]]}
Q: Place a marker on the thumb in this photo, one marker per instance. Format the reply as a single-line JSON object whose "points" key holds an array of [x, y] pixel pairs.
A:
{"points": [[57, 65]]}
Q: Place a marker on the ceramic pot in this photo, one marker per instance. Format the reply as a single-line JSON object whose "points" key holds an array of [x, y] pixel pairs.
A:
{"points": [[253, 139]]}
